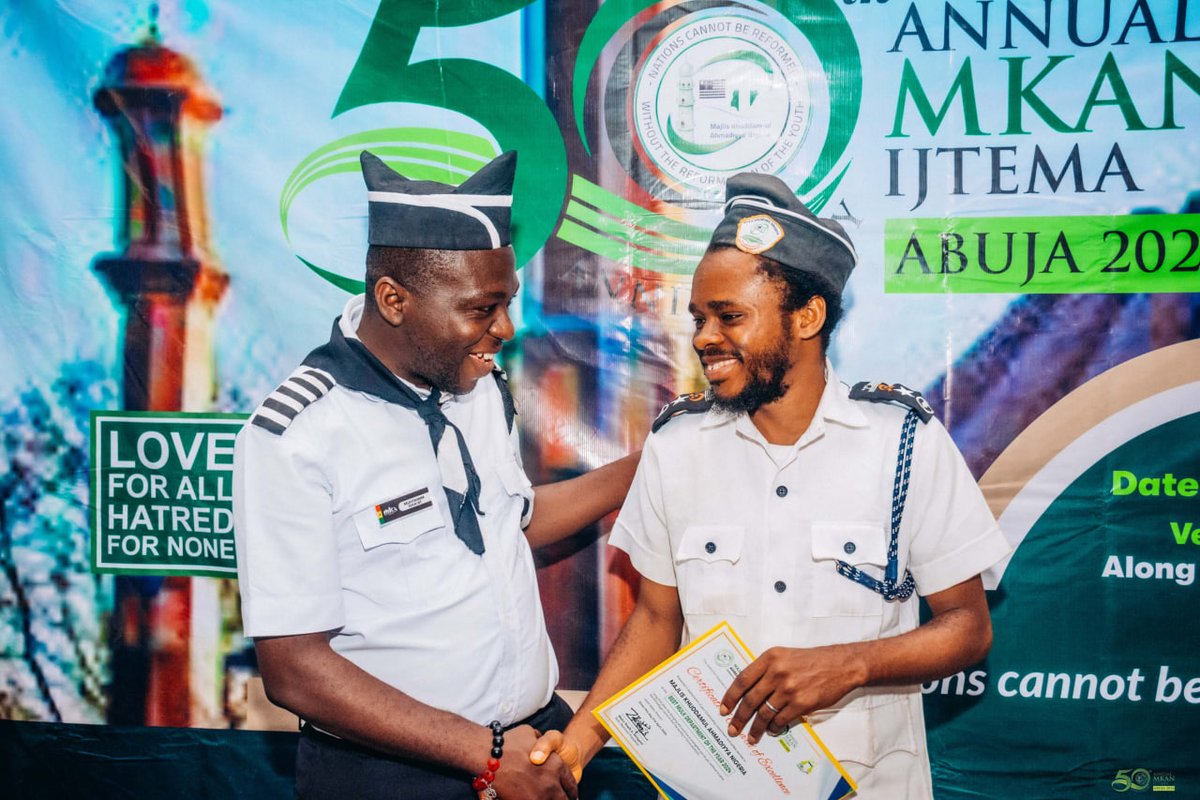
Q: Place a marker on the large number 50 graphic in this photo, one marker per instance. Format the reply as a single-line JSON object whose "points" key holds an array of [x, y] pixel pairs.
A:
{"points": [[512, 112]]}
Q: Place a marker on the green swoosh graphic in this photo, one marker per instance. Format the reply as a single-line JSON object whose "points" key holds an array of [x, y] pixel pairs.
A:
{"points": [[416, 158], [611, 226], [819, 200], [608, 20], [607, 224], [418, 153], [623, 252], [645, 237], [827, 30], [436, 138], [692, 148], [618, 207]]}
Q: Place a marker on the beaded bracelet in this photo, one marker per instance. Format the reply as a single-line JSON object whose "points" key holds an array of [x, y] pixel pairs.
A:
{"points": [[483, 781]]}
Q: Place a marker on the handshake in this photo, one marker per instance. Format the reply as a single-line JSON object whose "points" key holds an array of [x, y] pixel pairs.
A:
{"points": [[766, 697]]}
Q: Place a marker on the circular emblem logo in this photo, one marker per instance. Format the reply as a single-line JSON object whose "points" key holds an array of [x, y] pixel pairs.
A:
{"points": [[696, 92], [721, 92], [724, 658], [758, 234]]}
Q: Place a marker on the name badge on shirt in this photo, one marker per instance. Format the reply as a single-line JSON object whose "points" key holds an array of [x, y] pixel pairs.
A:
{"points": [[403, 506]]}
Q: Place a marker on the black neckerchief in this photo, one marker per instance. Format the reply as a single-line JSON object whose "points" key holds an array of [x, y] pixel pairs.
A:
{"points": [[355, 367]]}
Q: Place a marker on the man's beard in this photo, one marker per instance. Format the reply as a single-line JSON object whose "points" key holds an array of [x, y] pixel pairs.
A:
{"points": [[765, 379], [438, 367]]}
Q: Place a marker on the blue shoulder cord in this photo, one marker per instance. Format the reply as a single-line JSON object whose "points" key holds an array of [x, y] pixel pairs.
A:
{"points": [[888, 587]]}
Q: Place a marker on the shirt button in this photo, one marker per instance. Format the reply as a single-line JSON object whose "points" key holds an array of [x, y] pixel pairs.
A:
{"points": [[506, 708], [780, 587], [711, 547], [849, 547], [781, 491]]}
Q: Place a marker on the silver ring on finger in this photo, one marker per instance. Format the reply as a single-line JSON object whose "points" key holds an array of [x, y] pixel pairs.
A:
{"points": [[767, 703]]}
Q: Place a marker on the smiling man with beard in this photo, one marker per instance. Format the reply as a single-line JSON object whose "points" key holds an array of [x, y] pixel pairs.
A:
{"points": [[384, 521], [807, 514]]}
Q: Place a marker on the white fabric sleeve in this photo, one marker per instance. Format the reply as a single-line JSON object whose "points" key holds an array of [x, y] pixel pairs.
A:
{"points": [[283, 526], [514, 444], [953, 533], [641, 528]]}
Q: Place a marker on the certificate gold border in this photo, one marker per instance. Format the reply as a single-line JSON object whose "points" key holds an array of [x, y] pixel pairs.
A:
{"points": [[717, 630]]}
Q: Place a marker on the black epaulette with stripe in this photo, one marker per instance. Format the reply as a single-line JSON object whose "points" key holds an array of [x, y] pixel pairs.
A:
{"points": [[893, 393], [303, 387], [694, 403]]}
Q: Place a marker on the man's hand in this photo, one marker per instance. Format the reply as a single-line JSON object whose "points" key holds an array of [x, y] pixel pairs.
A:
{"points": [[567, 749], [795, 682], [520, 777]]}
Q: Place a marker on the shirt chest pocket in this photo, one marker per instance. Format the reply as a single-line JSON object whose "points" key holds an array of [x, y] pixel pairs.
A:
{"points": [[859, 544], [709, 567], [401, 520]]}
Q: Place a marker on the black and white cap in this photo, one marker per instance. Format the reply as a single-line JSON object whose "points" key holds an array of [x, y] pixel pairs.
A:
{"points": [[436, 216], [764, 217]]}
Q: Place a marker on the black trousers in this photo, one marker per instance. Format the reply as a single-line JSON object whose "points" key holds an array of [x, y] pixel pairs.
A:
{"points": [[328, 768]]}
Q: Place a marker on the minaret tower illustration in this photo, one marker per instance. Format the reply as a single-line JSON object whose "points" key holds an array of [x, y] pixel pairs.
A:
{"points": [[167, 284], [687, 98]]}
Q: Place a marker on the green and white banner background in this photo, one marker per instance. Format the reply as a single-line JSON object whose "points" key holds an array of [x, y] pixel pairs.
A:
{"points": [[1020, 177]]}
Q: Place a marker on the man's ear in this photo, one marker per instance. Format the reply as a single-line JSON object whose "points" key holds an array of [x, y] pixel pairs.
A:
{"points": [[392, 300], [810, 319]]}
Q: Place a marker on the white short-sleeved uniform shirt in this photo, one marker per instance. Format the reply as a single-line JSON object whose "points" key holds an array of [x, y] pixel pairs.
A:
{"points": [[750, 532], [409, 602]]}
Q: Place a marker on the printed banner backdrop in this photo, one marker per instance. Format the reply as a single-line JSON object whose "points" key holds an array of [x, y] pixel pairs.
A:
{"points": [[183, 216]]}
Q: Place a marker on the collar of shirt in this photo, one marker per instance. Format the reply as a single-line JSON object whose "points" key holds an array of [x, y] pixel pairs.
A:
{"points": [[358, 369], [834, 407], [348, 323]]}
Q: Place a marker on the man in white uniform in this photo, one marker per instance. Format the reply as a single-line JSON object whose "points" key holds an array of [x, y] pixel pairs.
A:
{"points": [[809, 518], [384, 521]]}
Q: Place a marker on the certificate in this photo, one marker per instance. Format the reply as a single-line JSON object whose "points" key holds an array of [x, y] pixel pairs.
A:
{"points": [[669, 723]]}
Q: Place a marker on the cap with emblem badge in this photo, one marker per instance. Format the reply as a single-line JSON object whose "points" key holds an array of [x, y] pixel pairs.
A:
{"points": [[764, 217]]}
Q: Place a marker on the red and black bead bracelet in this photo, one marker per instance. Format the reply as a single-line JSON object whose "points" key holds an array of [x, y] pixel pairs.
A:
{"points": [[483, 781]]}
